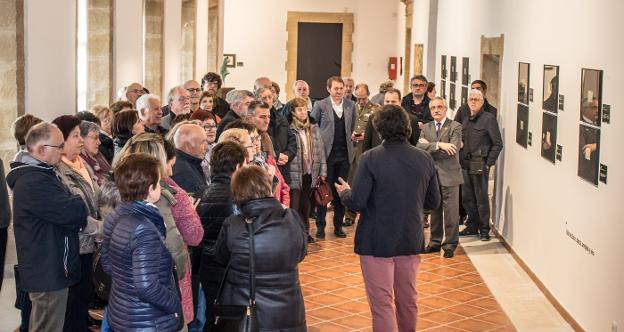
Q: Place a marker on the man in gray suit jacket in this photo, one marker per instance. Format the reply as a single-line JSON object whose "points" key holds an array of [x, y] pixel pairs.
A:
{"points": [[442, 138], [335, 116]]}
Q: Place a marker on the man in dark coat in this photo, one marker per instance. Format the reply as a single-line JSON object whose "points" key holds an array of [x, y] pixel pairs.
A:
{"points": [[5, 219], [464, 110], [393, 184], [417, 102], [212, 82], [239, 101], [46, 225], [191, 145]]}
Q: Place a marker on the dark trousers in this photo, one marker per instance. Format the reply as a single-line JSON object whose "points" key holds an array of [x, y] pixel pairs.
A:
{"points": [[335, 168], [300, 200], [3, 245], [210, 274], [79, 297], [476, 201], [445, 219]]}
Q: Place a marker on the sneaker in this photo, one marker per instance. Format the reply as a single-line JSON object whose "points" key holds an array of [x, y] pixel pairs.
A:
{"points": [[468, 232]]}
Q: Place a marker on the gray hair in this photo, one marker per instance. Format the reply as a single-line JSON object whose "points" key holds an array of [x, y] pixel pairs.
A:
{"points": [[236, 97], [38, 133], [258, 81], [476, 92], [172, 93], [143, 101], [300, 81], [87, 127], [439, 98], [258, 92]]}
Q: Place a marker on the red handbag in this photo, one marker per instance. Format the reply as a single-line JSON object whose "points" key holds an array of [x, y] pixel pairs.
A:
{"points": [[321, 193]]}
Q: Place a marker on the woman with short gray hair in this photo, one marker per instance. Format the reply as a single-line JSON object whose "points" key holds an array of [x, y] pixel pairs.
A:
{"points": [[90, 153]]}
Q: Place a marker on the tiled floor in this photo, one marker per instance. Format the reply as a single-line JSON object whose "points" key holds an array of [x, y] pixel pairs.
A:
{"points": [[451, 293]]}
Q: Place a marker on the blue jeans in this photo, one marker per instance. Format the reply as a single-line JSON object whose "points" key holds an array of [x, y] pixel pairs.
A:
{"points": [[197, 325]]}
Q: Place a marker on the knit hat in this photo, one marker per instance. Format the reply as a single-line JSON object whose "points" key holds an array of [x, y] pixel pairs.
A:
{"points": [[66, 123]]}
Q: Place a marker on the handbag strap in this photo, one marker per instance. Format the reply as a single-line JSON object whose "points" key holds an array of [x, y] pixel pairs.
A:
{"points": [[252, 268]]}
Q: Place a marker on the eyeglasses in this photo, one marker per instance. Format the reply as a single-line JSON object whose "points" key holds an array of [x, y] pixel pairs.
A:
{"points": [[437, 107], [416, 85], [474, 99], [60, 147], [194, 90], [136, 91]]}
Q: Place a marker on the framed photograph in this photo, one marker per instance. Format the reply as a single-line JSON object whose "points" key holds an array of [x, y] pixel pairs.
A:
{"points": [[522, 125], [453, 69], [591, 96], [589, 153], [550, 96], [549, 136], [444, 67], [443, 89], [452, 101], [464, 95], [229, 60], [523, 83], [465, 71]]}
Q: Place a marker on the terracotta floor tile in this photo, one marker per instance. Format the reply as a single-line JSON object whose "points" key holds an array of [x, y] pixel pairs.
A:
{"points": [[496, 317], [437, 302], [428, 276], [487, 303], [327, 313], [422, 324], [329, 263], [327, 299], [471, 277], [442, 317], [326, 327], [352, 280], [350, 293], [308, 291], [448, 272], [355, 307], [309, 305], [353, 321], [473, 325], [326, 285], [460, 296], [466, 310], [328, 273], [453, 283], [305, 278], [432, 289], [478, 289], [509, 328], [444, 328], [467, 267]]}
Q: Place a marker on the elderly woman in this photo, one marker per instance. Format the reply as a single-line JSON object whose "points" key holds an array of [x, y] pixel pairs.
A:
{"points": [[79, 178], [125, 125], [143, 295], [310, 162], [91, 154], [20, 128], [106, 136], [207, 106], [280, 244], [176, 206]]}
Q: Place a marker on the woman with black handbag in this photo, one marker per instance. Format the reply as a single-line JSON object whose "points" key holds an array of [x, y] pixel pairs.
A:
{"points": [[262, 248], [309, 164]]}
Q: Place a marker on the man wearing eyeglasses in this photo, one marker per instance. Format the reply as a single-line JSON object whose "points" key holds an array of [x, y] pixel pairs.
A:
{"points": [[482, 143], [179, 105], [464, 110], [195, 90], [133, 92], [417, 102], [46, 222]]}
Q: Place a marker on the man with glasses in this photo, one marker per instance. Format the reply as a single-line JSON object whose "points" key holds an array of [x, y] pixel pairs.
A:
{"points": [[180, 106], [195, 90], [47, 219], [464, 110], [417, 102], [133, 92], [482, 143], [211, 82]]}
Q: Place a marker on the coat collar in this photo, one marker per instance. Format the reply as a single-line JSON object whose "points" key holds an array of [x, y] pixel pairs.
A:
{"points": [[255, 207]]}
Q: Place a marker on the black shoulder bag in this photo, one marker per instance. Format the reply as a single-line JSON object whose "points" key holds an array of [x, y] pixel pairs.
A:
{"points": [[238, 318]]}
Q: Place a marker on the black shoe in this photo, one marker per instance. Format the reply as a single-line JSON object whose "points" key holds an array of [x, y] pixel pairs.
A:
{"points": [[484, 236], [320, 235], [348, 222], [449, 253], [468, 232], [340, 233], [310, 239], [431, 248]]}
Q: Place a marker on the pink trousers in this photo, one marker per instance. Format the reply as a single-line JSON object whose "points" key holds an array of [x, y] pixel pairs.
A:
{"points": [[391, 280]]}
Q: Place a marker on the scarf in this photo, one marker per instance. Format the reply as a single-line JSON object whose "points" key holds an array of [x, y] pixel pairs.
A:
{"points": [[267, 143], [150, 211], [79, 167], [302, 129]]}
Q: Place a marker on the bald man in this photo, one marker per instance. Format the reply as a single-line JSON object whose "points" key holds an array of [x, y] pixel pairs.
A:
{"points": [[191, 145], [179, 102], [133, 92], [194, 89]]}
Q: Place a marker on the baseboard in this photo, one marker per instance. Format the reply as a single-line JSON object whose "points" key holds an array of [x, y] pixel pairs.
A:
{"points": [[564, 313]]}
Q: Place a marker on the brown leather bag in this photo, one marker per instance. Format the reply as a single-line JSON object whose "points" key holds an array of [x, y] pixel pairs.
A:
{"points": [[321, 193]]}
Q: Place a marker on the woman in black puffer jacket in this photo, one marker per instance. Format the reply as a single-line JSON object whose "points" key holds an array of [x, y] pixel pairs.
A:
{"points": [[143, 294], [280, 244]]}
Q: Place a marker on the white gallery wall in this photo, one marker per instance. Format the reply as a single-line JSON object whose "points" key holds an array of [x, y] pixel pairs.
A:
{"points": [[542, 201], [256, 32]]}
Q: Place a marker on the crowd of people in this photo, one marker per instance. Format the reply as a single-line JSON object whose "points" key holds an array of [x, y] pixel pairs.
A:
{"points": [[157, 209]]}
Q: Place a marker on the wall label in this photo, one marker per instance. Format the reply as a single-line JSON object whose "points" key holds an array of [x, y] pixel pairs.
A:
{"points": [[580, 243], [603, 173], [530, 141], [559, 153], [561, 102]]}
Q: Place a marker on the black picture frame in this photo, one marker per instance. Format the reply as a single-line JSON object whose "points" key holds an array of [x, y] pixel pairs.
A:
{"points": [[465, 71], [443, 63], [229, 60], [550, 91], [523, 82], [591, 96], [443, 88], [452, 101], [589, 153], [464, 95], [453, 69], [522, 125], [549, 136]]}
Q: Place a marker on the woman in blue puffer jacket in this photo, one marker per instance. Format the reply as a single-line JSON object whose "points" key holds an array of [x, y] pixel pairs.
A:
{"points": [[143, 294]]}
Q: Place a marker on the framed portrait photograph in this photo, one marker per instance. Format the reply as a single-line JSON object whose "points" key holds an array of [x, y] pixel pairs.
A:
{"points": [[452, 101], [522, 125], [591, 96], [523, 82], [589, 153], [229, 60], [549, 136], [453, 69], [465, 71], [443, 89], [550, 95], [444, 67], [464, 95]]}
